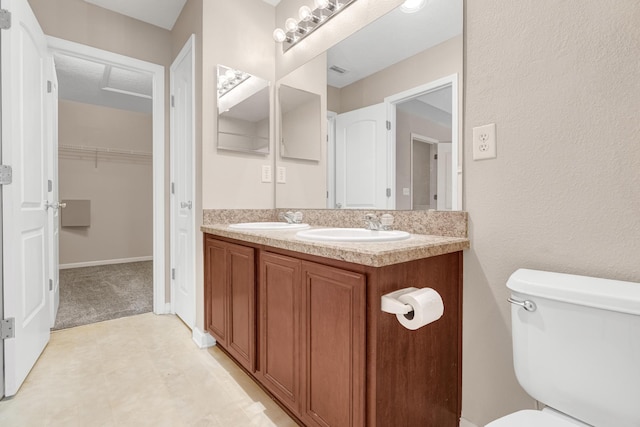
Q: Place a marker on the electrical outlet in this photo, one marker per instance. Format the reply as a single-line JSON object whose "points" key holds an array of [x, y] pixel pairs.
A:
{"points": [[406, 191], [266, 173], [484, 142], [281, 177]]}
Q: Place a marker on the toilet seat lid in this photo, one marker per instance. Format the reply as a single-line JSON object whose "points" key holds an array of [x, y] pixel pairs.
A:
{"points": [[532, 418]]}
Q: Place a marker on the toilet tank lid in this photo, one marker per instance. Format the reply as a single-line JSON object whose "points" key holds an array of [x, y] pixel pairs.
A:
{"points": [[613, 295]]}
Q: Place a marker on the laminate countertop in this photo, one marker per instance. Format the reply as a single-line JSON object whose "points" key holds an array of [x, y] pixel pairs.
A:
{"points": [[374, 254]]}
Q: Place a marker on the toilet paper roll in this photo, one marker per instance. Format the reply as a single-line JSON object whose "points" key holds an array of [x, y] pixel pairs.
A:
{"points": [[427, 307]]}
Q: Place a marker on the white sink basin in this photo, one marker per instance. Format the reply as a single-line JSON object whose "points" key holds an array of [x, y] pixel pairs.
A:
{"points": [[268, 226], [351, 235]]}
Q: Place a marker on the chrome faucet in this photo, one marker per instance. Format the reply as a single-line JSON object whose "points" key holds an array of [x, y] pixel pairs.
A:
{"points": [[372, 222], [291, 217]]}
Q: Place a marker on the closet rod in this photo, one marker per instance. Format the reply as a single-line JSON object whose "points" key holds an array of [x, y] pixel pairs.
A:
{"points": [[87, 149]]}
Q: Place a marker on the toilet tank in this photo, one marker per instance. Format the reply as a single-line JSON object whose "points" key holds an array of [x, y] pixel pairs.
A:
{"points": [[579, 350]]}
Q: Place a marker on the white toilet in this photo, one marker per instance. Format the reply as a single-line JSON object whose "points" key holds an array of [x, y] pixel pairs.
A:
{"points": [[576, 349]]}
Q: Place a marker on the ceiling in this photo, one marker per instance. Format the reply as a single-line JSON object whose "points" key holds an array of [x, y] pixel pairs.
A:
{"points": [[161, 13], [435, 106], [392, 38], [96, 83]]}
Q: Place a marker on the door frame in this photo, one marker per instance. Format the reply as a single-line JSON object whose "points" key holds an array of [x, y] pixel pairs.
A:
{"points": [[331, 159], [456, 170], [188, 48], [425, 140], [67, 47]]}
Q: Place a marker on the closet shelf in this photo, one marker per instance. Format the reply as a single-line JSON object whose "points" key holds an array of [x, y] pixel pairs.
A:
{"points": [[93, 153]]}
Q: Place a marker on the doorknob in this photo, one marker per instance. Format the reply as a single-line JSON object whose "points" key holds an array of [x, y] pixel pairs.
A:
{"points": [[338, 205], [186, 204], [54, 205]]}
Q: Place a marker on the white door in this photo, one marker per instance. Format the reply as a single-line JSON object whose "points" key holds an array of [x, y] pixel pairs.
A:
{"points": [[183, 296], [445, 174], [52, 184], [24, 226], [361, 159]]}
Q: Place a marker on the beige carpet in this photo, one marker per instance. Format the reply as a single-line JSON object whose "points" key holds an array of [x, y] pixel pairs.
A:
{"points": [[94, 294]]}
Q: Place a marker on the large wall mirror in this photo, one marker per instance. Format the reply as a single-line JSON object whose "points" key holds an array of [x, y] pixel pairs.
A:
{"points": [[392, 119], [243, 111]]}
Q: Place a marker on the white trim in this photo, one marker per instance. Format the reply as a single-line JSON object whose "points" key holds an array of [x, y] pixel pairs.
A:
{"points": [[105, 262], [466, 423], [188, 49], [391, 101], [202, 339], [91, 53], [331, 159]]}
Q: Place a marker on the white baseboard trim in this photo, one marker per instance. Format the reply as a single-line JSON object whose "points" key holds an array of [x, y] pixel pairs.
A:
{"points": [[202, 339], [466, 423], [105, 262]]}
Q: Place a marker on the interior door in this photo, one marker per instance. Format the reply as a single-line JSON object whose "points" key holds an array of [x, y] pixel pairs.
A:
{"points": [[361, 159], [52, 183], [182, 185], [24, 226]]}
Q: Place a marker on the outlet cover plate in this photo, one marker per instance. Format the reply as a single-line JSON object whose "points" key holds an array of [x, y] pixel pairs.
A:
{"points": [[266, 173], [281, 175], [484, 142]]}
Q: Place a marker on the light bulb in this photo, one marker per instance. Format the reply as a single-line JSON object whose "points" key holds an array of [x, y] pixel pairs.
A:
{"points": [[279, 35], [321, 4], [291, 24], [305, 13], [411, 6]]}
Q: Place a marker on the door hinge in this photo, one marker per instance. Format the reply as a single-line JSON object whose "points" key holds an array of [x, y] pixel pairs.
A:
{"points": [[6, 175], [49, 86], [435, 197], [388, 125], [7, 327], [5, 19], [50, 284], [49, 186], [173, 188], [388, 192], [173, 101], [435, 157], [173, 274]]}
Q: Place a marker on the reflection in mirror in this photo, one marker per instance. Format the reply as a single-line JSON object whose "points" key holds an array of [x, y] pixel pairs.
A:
{"points": [[393, 94], [300, 117], [243, 111]]}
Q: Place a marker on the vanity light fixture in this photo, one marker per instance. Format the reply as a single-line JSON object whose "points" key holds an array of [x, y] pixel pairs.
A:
{"points": [[309, 19], [230, 79], [412, 6]]}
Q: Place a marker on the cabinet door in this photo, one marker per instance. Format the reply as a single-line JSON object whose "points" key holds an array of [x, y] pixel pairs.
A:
{"points": [[333, 346], [280, 328], [216, 289], [241, 305]]}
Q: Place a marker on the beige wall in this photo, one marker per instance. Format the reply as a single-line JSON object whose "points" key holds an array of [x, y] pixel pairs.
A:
{"points": [[432, 64], [560, 80], [238, 35], [120, 190]]}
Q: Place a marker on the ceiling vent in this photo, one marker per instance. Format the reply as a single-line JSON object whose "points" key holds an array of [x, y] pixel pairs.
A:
{"points": [[338, 70]]}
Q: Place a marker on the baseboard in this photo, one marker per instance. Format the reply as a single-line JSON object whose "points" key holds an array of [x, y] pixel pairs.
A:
{"points": [[202, 339], [105, 262], [466, 423]]}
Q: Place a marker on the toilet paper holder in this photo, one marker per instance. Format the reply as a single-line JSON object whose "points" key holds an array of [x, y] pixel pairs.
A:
{"points": [[389, 303]]}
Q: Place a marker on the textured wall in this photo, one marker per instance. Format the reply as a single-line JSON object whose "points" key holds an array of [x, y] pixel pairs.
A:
{"points": [[561, 81]]}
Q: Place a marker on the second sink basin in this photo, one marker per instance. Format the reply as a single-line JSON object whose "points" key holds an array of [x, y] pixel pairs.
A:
{"points": [[268, 226], [351, 235]]}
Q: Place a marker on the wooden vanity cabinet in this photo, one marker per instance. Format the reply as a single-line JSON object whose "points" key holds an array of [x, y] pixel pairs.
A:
{"points": [[312, 339], [325, 350], [230, 298]]}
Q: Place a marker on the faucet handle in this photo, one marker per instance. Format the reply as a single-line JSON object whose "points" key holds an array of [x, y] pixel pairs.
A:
{"points": [[297, 217]]}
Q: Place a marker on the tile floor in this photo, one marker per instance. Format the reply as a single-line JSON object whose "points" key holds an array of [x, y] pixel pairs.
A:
{"points": [[137, 371]]}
